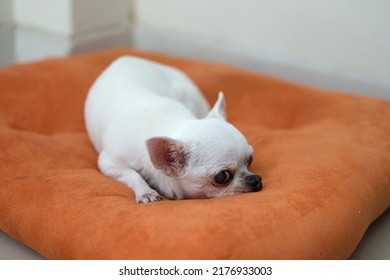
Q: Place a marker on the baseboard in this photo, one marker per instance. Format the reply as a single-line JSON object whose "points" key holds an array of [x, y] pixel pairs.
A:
{"points": [[32, 44]]}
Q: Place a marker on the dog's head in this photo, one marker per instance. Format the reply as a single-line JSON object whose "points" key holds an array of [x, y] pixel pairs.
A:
{"points": [[208, 158]]}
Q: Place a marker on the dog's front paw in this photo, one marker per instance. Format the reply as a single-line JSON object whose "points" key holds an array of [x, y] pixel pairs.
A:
{"points": [[151, 196]]}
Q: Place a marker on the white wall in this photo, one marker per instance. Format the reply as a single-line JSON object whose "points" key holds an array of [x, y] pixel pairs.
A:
{"points": [[5, 11], [337, 44], [339, 38], [45, 28], [6, 33], [31, 30]]}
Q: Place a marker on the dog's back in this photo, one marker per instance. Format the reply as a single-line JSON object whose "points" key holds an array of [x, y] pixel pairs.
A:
{"points": [[131, 74], [132, 91]]}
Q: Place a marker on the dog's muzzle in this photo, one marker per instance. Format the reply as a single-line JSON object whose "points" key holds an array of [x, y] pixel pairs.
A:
{"points": [[254, 183]]}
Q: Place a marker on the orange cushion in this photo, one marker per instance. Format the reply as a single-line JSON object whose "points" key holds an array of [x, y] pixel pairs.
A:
{"points": [[324, 158]]}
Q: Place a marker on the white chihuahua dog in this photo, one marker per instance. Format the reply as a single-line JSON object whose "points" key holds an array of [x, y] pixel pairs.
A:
{"points": [[153, 132]]}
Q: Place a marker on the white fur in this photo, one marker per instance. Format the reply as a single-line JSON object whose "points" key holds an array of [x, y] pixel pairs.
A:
{"points": [[135, 100]]}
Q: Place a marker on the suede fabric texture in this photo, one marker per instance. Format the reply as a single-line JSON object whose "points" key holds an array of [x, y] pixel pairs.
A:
{"points": [[324, 158]]}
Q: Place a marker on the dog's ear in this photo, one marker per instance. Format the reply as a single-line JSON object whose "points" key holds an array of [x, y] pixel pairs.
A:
{"points": [[218, 111], [167, 154]]}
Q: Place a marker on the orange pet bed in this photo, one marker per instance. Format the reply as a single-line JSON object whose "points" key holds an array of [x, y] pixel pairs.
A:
{"points": [[324, 158]]}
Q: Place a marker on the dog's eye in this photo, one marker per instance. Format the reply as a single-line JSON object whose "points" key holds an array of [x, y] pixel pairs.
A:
{"points": [[249, 162], [223, 177]]}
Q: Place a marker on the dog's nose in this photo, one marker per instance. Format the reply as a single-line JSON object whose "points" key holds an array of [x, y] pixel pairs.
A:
{"points": [[254, 183]]}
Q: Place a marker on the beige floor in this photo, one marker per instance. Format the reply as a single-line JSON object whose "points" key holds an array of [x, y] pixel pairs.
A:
{"points": [[374, 246]]}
